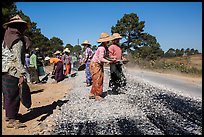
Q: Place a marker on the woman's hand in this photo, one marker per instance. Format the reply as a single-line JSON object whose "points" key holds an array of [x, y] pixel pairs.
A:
{"points": [[123, 58], [112, 61]]}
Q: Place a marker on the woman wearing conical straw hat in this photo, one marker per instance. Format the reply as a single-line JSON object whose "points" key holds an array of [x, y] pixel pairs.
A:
{"points": [[96, 67], [67, 59], [58, 67], [88, 54], [117, 78], [13, 71]]}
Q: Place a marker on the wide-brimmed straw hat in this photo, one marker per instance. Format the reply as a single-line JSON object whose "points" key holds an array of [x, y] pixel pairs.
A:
{"points": [[86, 42], [15, 19], [66, 50], [104, 37], [116, 36], [47, 58], [57, 52]]}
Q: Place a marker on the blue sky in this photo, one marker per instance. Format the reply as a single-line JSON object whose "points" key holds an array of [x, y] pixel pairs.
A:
{"points": [[174, 24]]}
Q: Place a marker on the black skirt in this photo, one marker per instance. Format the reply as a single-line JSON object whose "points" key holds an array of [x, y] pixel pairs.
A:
{"points": [[11, 96]]}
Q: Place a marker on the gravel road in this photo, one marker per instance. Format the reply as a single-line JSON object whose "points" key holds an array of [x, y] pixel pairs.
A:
{"points": [[142, 108]]}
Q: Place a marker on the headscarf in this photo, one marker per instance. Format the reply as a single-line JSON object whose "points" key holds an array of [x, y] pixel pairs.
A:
{"points": [[27, 41], [54, 60], [12, 35]]}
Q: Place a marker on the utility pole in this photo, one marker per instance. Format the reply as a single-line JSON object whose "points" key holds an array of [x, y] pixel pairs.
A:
{"points": [[78, 41]]}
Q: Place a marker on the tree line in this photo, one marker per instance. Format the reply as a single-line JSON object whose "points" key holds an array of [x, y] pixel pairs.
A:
{"points": [[138, 43], [181, 52]]}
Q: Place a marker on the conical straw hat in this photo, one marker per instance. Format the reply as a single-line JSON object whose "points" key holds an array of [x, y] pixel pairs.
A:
{"points": [[86, 42], [104, 37], [15, 19], [57, 52], [66, 50], [116, 36]]}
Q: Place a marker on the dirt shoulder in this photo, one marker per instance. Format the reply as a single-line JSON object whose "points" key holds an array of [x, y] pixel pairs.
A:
{"points": [[43, 96]]}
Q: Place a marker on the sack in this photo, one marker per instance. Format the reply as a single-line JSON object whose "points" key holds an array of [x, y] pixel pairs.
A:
{"points": [[25, 95], [82, 67]]}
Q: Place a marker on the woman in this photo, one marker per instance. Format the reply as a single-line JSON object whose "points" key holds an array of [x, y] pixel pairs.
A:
{"points": [[117, 78], [33, 69], [96, 67], [14, 47], [27, 65], [58, 67], [88, 54], [67, 59]]}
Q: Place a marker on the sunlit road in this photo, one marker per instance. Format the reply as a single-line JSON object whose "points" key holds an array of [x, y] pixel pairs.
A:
{"points": [[170, 82]]}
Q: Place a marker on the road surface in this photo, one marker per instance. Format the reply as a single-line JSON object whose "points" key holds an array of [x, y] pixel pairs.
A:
{"points": [[177, 83]]}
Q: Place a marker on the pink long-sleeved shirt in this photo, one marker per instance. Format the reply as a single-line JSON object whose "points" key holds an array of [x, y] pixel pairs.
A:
{"points": [[115, 52], [99, 55]]}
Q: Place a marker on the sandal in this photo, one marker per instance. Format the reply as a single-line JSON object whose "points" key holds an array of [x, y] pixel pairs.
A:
{"points": [[7, 119], [88, 85], [15, 124], [91, 96], [99, 98]]}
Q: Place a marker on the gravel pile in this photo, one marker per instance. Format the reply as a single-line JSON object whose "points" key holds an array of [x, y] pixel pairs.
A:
{"points": [[139, 109]]}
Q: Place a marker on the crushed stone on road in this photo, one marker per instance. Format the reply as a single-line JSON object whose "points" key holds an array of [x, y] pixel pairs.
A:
{"points": [[139, 109]]}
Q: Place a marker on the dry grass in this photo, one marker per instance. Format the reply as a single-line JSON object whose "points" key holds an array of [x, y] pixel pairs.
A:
{"points": [[191, 61], [187, 65], [196, 61]]}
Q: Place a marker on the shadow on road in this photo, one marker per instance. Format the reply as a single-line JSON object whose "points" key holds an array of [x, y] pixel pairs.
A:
{"points": [[37, 91], [38, 111]]}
